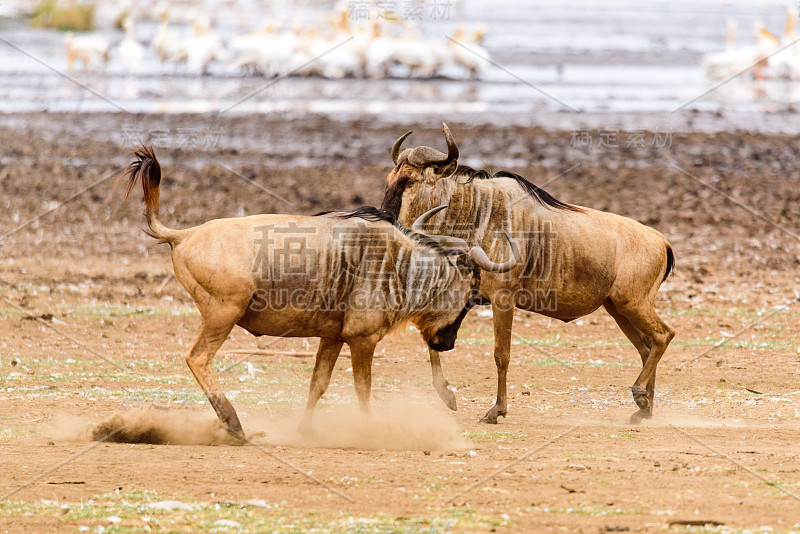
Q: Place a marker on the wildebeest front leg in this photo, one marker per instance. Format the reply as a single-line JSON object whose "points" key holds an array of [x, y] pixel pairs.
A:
{"points": [[327, 354], [440, 383], [212, 334], [361, 352], [503, 319]]}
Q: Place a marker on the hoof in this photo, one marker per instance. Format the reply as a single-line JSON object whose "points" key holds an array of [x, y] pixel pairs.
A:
{"points": [[307, 431], [640, 416], [237, 436], [642, 402], [640, 397], [491, 417], [447, 395]]}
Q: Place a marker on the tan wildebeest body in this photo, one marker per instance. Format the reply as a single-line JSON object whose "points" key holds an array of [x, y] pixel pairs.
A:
{"points": [[575, 259], [345, 277]]}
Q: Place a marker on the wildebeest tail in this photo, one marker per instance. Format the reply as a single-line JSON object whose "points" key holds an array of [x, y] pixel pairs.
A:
{"points": [[670, 262], [147, 169]]}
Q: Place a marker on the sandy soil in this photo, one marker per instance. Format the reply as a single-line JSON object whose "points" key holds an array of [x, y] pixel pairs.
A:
{"points": [[94, 325]]}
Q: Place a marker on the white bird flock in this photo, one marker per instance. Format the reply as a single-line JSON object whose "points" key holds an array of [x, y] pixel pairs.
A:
{"points": [[765, 56], [335, 49]]}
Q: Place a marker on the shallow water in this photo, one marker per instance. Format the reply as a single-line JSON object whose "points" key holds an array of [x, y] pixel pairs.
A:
{"points": [[618, 63]]}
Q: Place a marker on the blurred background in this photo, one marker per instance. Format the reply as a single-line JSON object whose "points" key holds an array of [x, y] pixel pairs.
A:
{"points": [[523, 62]]}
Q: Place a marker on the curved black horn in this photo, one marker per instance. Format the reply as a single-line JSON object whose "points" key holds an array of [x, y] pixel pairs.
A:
{"points": [[452, 148], [480, 258], [422, 156], [396, 146]]}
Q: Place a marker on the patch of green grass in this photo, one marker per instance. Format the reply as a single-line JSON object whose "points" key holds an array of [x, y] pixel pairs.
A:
{"points": [[267, 397], [135, 515], [732, 343], [618, 435], [9, 433], [553, 341], [114, 310], [491, 435], [555, 362], [711, 312], [589, 510], [288, 366], [187, 396]]}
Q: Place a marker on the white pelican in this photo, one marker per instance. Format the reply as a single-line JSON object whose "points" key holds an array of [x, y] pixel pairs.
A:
{"points": [[786, 63], [468, 57], [251, 50], [91, 50], [130, 51], [732, 60], [165, 42], [331, 58], [203, 47], [766, 44], [379, 56], [422, 57]]}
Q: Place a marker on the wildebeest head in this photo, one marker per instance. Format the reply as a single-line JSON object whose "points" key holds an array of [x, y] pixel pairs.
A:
{"points": [[417, 165], [440, 324]]}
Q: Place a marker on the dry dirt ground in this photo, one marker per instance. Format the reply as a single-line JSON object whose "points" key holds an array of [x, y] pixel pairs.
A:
{"points": [[95, 325]]}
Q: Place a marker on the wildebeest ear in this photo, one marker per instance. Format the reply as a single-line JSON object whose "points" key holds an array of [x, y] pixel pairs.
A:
{"points": [[448, 170]]}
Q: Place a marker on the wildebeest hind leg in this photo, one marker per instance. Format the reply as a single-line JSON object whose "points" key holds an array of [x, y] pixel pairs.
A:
{"points": [[636, 338], [503, 318], [657, 336], [327, 354], [440, 383], [215, 329]]}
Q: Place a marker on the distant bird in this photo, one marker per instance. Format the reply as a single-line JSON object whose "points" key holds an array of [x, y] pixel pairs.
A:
{"points": [[166, 42], [333, 57], [786, 63], [130, 51], [468, 51], [250, 51], [732, 60], [422, 57], [766, 44], [203, 47], [91, 50], [379, 56]]}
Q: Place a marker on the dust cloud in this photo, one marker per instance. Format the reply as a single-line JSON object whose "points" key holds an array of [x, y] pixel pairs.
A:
{"points": [[162, 426], [68, 428], [402, 425]]}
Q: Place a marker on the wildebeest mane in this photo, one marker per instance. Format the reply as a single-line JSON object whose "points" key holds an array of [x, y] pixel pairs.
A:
{"points": [[373, 214], [368, 213], [542, 196]]}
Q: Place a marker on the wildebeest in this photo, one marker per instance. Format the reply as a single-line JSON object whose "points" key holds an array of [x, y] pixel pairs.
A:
{"points": [[345, 277], [576, 259]]}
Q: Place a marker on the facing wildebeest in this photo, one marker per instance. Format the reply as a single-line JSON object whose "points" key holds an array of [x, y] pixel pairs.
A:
{"points": [[345, 277], [576, 259]]}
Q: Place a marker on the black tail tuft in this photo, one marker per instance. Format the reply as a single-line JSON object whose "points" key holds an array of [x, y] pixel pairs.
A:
{"points": [[670, 262]]}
